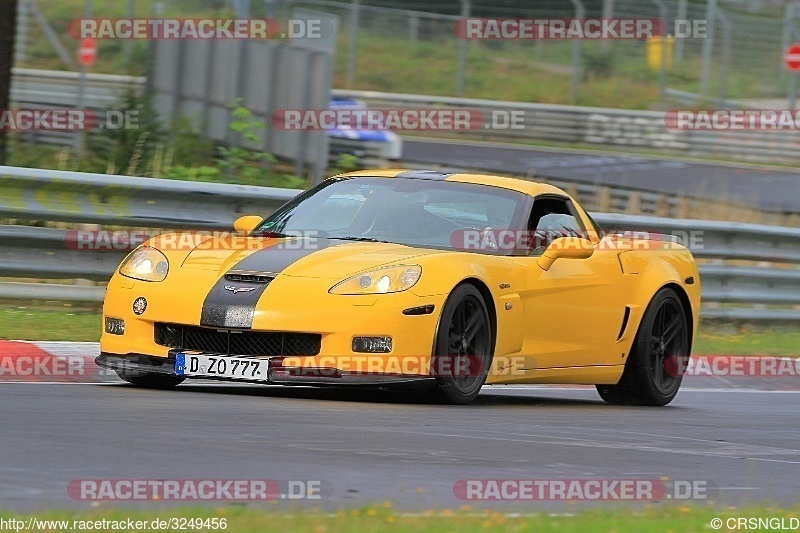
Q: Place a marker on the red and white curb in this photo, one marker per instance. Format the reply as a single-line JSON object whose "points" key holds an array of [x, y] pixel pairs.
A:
{"points": [[51, 362]]}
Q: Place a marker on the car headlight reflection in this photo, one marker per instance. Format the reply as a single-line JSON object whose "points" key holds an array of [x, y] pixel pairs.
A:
{"points": [[145, 263], [380, 281]]}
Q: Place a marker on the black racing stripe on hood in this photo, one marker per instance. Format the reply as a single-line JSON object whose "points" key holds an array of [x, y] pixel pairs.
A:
{"points": [[276, 259], [225, 307]]}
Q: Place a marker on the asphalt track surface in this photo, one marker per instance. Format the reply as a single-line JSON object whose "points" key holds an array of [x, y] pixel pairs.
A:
{"points": [[763, 188], [373, 446]]}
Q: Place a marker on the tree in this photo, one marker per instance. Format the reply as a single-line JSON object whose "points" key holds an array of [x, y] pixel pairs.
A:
{"points": [[8, 31]]}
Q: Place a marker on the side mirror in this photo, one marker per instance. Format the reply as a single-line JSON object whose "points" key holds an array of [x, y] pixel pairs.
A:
{"points": [[247, 223], [566, 248]]}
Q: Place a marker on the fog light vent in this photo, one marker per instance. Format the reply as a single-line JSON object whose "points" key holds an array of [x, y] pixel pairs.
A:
{"points": [[115, 326], [372, 344]]}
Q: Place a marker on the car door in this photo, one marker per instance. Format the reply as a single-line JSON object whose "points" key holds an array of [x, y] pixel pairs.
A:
{"points": [[574, 311]]}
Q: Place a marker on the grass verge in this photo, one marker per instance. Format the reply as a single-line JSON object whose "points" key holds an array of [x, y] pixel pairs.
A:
{"points": [[620, 520], [68, 323], [49, 323], [748, 341]]}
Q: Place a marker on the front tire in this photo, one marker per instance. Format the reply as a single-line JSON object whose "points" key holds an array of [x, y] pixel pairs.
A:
{"points": [[463, 347], [660, 353], [149, 380]]}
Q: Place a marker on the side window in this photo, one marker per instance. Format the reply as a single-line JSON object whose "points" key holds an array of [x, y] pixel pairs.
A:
{"points": [[552, 217]]}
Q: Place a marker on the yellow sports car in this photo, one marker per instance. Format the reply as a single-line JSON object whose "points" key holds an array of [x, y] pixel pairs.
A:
{"points": [[400, 277]]}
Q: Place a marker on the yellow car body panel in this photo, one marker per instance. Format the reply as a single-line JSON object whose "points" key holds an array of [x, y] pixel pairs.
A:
{"points": [[568, 324]]}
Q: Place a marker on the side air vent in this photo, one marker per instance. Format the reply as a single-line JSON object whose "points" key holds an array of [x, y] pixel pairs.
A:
{"points": [[625, 318]]}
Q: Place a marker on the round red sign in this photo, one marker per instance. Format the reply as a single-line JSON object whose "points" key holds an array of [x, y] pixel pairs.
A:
{"points": [[792, 57], [87, 52]]}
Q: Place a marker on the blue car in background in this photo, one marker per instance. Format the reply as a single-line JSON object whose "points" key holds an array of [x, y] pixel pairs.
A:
{"points": [[373, 147]]}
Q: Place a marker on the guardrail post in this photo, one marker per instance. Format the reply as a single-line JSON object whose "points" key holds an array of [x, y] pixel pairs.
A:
{"points": [[580, 12], [726, 57], [80, 136], [127, 45], [413, 29], [23, 29], [355, 7], [683, 8], [608, 13], [708, 46], [462, 52], [786, 38], [662, 71]]}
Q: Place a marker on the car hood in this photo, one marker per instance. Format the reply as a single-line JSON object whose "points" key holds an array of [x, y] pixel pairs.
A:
{"points": [[297, 257]]}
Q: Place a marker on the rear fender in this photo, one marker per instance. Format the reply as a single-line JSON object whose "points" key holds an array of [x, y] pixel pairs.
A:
{"points": [[647, 272]]}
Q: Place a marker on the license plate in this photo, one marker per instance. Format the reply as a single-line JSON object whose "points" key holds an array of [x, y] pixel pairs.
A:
{"points": [[223, 367]]}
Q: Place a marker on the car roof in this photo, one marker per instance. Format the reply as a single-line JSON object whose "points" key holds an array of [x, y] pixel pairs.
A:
{"points": [[531, 188]]}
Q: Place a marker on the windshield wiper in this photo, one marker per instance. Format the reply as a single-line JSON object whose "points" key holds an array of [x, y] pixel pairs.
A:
{"points": [[360, 239], [268, 233]]}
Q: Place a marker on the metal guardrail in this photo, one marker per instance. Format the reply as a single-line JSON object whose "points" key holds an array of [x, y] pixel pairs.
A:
{"points": [[617, 128], [41, 85], [51, 292], [749, 271], [53, 195], [33, 88], [694, 100], [34, 252], [57, 89]]}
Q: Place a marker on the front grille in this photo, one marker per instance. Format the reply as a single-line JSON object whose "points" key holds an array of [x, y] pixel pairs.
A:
{"points": [[236, 342]]}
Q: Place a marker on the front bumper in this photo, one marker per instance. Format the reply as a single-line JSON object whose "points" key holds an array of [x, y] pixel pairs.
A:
{"points": [[278, 373], [297, 306], [135, 362]]}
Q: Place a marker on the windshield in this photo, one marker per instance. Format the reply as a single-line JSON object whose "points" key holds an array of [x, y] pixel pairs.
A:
{"points": [[413, 212]]}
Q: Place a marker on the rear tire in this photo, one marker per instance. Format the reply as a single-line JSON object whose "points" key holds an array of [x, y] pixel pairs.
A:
{"points": [[658, 358], [463, 348], [150, 380]]}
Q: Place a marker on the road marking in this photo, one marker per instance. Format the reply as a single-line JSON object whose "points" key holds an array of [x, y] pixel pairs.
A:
{"points": [[727, 446], [773, 460], [567, 441]]}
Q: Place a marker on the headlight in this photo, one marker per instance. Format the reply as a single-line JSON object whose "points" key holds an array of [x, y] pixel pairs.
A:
{"points": [[380, 281], [145, 263]]}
